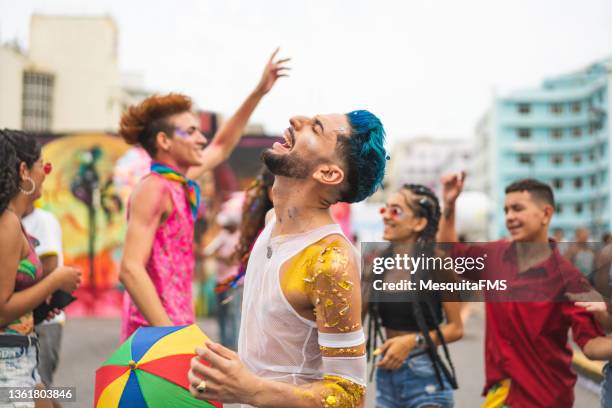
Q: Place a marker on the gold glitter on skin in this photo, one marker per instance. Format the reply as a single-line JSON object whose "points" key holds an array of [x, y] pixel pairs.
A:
{"points": [[341, 393], [313, 273], [342, 352], [320, 274]]}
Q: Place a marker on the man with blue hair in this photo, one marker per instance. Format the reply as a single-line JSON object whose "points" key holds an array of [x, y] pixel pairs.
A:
{"points": [[301, 342]]}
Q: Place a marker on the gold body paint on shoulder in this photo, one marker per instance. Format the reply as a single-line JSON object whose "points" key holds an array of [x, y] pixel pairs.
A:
{"points": [[319, 273]]}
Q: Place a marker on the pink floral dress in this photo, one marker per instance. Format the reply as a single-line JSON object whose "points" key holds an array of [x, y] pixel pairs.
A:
{"points": [[170, 265]]}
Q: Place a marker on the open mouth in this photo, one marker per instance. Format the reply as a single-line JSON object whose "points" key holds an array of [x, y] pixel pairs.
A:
{"points": [[288, 141], [289, 138]]}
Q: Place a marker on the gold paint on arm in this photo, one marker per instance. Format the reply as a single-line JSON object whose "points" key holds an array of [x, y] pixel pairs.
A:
{"points": [[343, 351], [339, 392]]}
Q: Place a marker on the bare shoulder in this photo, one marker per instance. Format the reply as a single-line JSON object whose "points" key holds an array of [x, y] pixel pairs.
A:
{"points": [[336, 254], [10, 227], [149, 187], [339, 242], [150, 194]]}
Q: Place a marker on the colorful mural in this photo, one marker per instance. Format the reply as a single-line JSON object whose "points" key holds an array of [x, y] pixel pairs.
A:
{"points": [[83, 167]]}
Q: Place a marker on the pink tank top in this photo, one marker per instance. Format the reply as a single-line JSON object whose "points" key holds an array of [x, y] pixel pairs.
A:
{"points": [[170, 265]]}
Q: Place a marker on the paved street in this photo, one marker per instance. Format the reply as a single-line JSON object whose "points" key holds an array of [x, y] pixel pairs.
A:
{"points": [[88, 342]]}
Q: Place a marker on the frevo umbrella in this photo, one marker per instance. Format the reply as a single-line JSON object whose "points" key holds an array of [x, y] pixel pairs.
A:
{"points": [[150, 370]]}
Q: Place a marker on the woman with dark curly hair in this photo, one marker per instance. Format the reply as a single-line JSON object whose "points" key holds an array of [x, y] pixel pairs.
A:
{"points": [[410, 372], [22, 284]]}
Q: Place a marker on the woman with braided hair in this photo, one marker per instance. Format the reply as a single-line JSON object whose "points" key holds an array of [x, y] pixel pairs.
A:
{"points": [[411, 372], [257, 203], [237, 242], [23, 285]]}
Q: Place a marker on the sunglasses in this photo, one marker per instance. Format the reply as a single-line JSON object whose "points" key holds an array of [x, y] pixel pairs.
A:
{"points": [[394, 212]]}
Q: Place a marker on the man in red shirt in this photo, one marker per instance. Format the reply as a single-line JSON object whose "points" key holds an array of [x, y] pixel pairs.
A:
{"points": [[527, 355]]}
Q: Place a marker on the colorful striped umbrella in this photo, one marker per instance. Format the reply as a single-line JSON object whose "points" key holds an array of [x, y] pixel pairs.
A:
{"points": [[150, 370]]}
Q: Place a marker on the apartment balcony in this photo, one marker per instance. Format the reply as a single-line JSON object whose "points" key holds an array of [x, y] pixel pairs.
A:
{"points": [[569, 119], [565, 145], [552, 171]]}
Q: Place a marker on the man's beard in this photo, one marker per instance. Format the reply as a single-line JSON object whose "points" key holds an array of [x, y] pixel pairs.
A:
{"points": [[287, 165]]}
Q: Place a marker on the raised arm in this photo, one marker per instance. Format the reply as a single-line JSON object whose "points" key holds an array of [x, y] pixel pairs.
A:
{"points": [[228, 136], [147, 205], [333, 288], [452, 185]]}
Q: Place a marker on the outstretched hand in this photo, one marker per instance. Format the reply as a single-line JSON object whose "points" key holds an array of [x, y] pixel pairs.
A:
{"points": [[452, 185], [274, 69]]}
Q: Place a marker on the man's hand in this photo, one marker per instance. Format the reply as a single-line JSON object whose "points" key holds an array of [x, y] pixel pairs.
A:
{"points": [[592, 301], [272, 71], [396, 350], [226, 379], [452, 185]]}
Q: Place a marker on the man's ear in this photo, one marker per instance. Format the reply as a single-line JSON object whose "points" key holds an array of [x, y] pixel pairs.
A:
{"points": [[548, 213], [330, 174], [163, 141]]}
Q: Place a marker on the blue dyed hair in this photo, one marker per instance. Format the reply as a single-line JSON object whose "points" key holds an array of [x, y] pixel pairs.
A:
{"points": [[365, 156]]}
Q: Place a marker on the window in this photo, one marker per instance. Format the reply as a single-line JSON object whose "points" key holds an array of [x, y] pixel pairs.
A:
{"points": [[593, 180], [557, 159], [524, 133], [592, 128], [525, 159], [592, 155], [556, 108], [577, 158], [594, 206], [37, 101], [556, 133], [576, 107], [576, 131], [578, 208], [578, 182], [558, 183], [559, 208], [524, 108]]}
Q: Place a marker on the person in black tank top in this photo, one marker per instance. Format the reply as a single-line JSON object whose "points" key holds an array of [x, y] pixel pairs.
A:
{"points": [[409, 371]]}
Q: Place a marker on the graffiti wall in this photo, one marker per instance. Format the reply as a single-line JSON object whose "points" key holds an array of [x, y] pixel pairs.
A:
{"points": [[81, 194]]}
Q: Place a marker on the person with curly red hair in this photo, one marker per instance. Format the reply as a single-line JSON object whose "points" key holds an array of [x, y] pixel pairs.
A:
{"points": [[158, 260]]}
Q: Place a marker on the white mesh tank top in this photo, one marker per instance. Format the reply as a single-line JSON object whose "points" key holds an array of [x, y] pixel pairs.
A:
{"points": [[275, 342]]}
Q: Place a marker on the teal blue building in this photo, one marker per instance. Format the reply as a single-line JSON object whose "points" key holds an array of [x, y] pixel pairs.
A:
{"points": [[558, 133]]}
